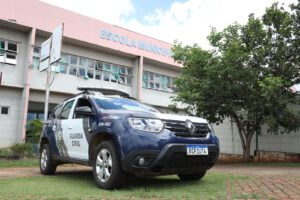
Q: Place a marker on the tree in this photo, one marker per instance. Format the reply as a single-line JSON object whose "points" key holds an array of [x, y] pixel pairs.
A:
{"points": [[247, 75]]}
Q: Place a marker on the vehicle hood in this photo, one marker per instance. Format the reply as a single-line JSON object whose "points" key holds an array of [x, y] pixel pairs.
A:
{"points": [[165, 116], [130, 113], [162, 116]]}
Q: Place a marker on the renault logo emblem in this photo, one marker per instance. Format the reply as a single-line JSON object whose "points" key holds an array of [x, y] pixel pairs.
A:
{"points": [[190, 127]]}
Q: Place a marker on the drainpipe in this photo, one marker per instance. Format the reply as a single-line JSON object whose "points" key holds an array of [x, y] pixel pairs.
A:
{"points": [[140, 77], [26, 89]]}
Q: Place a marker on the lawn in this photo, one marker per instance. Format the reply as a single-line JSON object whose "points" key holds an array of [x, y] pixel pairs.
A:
{"points": [[30, 162], [81, 185]]}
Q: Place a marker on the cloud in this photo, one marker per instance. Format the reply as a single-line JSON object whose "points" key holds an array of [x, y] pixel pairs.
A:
{"points": [[110, 11], [189, 22]]}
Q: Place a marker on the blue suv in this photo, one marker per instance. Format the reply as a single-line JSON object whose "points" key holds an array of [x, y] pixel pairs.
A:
{"points": [[119, 136]]}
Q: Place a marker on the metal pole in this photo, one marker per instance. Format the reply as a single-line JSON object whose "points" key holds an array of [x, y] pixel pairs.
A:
{"points": [[47, 95], [47, 87]]}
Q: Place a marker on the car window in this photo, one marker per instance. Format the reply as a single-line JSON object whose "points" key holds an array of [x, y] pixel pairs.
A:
{"points": [[111, 103], [56, 111], [80, 103], [66, 110]]}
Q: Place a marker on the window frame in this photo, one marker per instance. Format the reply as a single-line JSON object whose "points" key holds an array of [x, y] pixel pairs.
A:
{"points": [[7, 52], [94, 69], [158, 82], [56, 112], [65, 104], [76, 105]]}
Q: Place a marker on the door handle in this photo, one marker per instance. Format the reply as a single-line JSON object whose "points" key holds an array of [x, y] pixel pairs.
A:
{"points": [[70, 127]]}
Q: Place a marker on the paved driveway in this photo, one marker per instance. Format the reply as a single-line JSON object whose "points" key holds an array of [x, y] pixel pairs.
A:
{"points": [[271, 182]]}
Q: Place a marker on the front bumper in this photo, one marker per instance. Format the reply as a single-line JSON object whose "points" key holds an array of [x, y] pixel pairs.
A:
{"points": [[172, 159]]}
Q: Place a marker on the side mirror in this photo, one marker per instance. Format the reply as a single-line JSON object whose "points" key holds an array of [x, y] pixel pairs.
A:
{"points": [[84, 110]]}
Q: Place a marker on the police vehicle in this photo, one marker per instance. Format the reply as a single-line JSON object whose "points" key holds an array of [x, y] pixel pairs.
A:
{"points": [[118, 136]]}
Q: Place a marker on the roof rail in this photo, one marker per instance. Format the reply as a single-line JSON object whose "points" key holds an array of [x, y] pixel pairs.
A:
{"points": [[104, 91]]}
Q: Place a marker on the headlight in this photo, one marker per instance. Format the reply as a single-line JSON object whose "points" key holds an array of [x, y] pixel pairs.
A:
{"points": [[211, 129], [144, 124]]}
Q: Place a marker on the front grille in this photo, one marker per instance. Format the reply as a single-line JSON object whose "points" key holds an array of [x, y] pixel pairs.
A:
{"points": [[181, 160], [179, 129]]}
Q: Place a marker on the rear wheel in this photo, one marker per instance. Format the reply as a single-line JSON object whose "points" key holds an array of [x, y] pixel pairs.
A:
{"points": [[106, 166], [192, 177], [47, 165]]}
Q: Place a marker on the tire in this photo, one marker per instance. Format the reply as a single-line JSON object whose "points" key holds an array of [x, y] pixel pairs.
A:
{"points": [[107, 167], [192, 177], [47, 165]]}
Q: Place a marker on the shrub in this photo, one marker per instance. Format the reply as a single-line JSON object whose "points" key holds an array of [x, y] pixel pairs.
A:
{"points": [[5, 153], [21, 150], [34, 130]]}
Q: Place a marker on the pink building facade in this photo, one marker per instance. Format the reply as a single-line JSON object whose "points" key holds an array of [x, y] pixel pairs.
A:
{"points": [[94, 53]]}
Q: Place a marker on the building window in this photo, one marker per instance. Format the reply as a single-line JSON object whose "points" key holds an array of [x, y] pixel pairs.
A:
{"points": [[158, 82], [36, 57], [33, 115], [89, 68], [63, 63], [98, 70], [8, 52], [4, 110]]}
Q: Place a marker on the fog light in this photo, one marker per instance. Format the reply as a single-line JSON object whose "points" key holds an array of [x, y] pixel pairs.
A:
{"points": [[141, 161]]}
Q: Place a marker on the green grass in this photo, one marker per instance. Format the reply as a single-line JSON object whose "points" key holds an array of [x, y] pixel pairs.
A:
{"points": [[5, 152], [81, 185], [30, 162]]}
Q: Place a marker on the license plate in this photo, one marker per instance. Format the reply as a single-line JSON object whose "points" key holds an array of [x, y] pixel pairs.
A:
{"points": [[194, 150]]}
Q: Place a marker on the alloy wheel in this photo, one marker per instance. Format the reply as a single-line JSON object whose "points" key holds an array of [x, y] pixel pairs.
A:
{"points": [[44, 159], [104, 165]]}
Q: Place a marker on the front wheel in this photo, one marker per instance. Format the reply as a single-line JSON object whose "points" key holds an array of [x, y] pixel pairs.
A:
{"points": [[106, 166], [192, 177], [47, 165]]}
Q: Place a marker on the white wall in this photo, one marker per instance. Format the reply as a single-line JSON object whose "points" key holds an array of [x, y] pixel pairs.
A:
{"points": [[230, 142], [55, 98], [155, 97], [10, 125], [156, 68], [14, 74], [281, 143]]}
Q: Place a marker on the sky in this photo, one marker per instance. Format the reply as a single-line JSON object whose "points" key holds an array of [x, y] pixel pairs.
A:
{"points": [[188, 21]]}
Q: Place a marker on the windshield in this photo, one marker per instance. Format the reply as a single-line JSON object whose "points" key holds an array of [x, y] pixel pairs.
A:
{"points": [[113, 103]]}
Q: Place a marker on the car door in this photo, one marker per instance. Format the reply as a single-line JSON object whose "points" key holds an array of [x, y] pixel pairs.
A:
{"points": [[78, 130], [63, 126]]}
